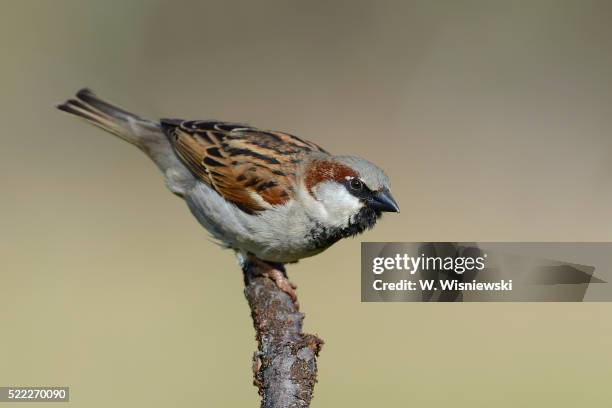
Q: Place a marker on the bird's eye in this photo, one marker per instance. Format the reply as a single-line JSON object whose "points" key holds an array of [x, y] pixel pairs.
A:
{"points": [[356, 184]]}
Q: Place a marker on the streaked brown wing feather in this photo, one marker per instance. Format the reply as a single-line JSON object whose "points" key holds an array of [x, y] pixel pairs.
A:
{"points": [[238, 161]]}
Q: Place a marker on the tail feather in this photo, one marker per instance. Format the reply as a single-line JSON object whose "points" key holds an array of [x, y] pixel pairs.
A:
{"points": [[109, 117], [89, 97], [145, 134]]}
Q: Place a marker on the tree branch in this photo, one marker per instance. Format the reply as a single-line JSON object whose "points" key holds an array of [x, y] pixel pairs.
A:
{"points": [[285, 365]]}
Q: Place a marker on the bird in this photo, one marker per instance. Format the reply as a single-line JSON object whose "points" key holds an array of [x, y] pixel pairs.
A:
{"points": [[270, 196]]}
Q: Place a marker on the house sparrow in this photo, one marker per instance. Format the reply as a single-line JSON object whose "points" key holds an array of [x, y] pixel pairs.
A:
{"points": [[272, 197]]}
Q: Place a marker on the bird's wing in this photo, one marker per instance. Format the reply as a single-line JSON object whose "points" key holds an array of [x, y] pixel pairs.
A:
{"points": [[248, 167]]}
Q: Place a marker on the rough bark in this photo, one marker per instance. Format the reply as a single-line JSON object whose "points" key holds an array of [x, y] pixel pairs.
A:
{"points": [[285, 364]]}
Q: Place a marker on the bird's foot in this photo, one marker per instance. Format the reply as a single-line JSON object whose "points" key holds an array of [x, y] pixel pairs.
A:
{"points": [[284, 284], [276, 272]]}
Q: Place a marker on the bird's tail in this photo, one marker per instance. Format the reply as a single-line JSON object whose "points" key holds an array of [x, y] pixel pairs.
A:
{"points": [[126, 125], [145, 134]]}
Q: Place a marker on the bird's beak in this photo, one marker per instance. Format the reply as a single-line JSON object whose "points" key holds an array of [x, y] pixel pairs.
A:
{"points": [[383, 201]]}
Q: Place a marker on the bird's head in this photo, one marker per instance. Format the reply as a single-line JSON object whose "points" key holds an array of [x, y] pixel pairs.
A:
{"points": [[347, 193]]}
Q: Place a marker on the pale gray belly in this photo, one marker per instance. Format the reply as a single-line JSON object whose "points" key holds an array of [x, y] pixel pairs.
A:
{"points": [[283, 234]]}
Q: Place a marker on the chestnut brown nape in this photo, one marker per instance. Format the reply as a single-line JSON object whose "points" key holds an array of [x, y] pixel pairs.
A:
{"points": [[323, 170]]}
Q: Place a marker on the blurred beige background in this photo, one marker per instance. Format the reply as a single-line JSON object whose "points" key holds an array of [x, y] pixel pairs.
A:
{"points": [[493, 120]]}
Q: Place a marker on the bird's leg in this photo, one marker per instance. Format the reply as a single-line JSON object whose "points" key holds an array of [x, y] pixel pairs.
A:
{"points": [[276, 272]]}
